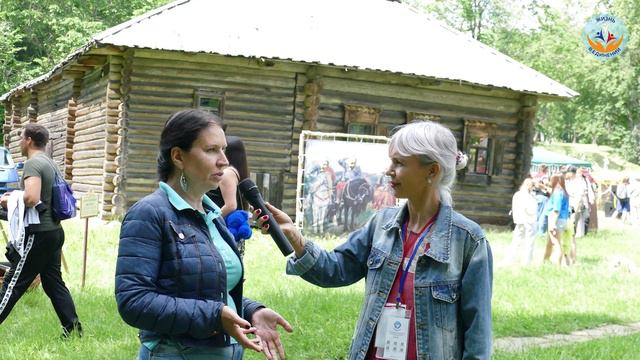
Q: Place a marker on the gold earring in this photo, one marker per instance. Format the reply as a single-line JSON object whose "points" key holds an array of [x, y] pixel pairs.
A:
{"points": [[428, 180]]}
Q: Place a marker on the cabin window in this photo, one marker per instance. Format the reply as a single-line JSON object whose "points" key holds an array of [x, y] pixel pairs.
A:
{"points": [[479, 144], [362, 120], [211, 101], [478, 152], [360, 129]]}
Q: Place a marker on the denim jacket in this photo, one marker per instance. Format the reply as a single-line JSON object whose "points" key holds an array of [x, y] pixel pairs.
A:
{"points": [[452, 286]]}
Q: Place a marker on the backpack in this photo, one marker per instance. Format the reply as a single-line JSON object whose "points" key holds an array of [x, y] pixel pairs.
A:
{"points": [[63, 203]]}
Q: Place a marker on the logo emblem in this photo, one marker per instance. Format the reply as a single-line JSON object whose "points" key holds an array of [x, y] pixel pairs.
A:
{"points": [[605, 36], [397, 325]]}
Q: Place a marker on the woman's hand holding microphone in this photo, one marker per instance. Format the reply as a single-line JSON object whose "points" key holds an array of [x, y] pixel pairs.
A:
{"points": [[286, 225]]}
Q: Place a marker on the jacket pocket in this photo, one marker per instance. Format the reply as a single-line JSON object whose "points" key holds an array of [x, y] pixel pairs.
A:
{"points": [[181, 233], [374, 270], [445, 305]]}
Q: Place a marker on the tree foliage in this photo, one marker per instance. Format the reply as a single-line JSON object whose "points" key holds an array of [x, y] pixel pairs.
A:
{"points": [[37, 34], [607, 112]]}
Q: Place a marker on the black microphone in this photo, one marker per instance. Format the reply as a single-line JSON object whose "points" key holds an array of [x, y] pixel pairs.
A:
{"points": [[250, 192]]}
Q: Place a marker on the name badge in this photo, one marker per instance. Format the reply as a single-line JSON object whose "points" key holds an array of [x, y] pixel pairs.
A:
{"points": [[392, 333]]}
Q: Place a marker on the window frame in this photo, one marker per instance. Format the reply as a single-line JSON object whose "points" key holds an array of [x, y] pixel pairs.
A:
{"points": [[479, 129], [200, 94], [357, 114]]}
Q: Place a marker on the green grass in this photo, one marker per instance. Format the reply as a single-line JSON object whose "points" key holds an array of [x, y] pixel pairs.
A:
{"points": [[547, 299], [527, 301], [621, 347]]}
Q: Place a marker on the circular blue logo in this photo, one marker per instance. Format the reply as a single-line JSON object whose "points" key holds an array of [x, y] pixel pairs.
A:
{"points": [[605, 36], [397, 325]]}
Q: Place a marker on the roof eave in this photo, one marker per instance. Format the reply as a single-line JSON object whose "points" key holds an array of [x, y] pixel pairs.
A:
{"points": [[56, 70]]}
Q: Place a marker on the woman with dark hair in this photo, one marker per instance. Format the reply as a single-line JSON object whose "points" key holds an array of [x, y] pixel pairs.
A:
{"points": [[179, 275], [427, 268], [557, 211], [227, 196]]}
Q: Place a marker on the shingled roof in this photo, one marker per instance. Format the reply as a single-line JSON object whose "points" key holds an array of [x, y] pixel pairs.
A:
{"points": [[376, 35]]}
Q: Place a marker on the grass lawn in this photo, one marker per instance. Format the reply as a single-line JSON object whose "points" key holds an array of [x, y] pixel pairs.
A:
{"points": [[527, 301], [622, 347]]}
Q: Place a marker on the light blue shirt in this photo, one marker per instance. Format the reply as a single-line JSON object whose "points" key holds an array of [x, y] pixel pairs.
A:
{"points": [[559, 202]]}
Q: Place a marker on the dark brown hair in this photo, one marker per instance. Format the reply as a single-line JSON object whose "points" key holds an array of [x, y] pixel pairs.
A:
{"points": [[181, 130], [38, 134]]}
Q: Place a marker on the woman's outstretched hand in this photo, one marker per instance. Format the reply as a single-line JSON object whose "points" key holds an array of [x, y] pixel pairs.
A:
{"points": [[266, 322], [286, 225], [239, 328]]}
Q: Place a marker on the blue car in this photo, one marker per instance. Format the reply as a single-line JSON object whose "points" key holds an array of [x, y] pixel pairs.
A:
{"points": [[8, 172]]}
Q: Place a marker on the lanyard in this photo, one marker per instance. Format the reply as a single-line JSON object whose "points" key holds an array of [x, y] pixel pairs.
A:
{"points": [[405, 272]]}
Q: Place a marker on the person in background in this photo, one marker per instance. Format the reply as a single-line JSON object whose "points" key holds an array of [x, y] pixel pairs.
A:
{"points": [[524, 209], [179, 276], [608, 199], [43, 241], [558, 212], [427, 268], [579, 206], [233, 206], [592, 197], [543, 171], [542, 193], [622, 193]]}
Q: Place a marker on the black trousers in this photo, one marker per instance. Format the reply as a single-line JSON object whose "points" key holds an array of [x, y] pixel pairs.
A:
{"points": [[44, 259]]}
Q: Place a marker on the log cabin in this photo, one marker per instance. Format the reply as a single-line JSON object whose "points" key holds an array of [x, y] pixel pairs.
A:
{"points": [[271, 70]]}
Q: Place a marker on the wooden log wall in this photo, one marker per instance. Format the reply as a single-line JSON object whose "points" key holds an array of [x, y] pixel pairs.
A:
{"points": [[119, 198], [524, 139], [113, 134], [396, 95], [72, 107], [52, 102], [258, 107], [19, 117], [89, 133], [32, 108]]}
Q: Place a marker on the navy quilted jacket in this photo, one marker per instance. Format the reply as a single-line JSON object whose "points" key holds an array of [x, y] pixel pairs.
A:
{"points": [[170, 279]]}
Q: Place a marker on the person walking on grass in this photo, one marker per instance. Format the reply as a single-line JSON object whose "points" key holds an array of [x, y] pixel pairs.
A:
{"points": [[524, 211], [43, 239], [428, 270], [622, 193], [557, 211]]}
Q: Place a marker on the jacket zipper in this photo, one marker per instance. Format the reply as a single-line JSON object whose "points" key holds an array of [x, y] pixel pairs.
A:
{"points": [[178, 257]]}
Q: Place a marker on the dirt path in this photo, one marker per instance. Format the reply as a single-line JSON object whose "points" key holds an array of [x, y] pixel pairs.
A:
{"points": [[516, 344]]}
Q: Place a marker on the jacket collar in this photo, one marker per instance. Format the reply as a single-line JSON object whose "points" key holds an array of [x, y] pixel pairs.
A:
{"points": [[180, 204], [440, 238]]}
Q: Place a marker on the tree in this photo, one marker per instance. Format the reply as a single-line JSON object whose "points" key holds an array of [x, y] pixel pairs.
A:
{"points": [[608, 108], [37, 34]]}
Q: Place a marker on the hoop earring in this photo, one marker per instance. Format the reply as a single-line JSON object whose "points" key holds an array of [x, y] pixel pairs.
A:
{"points": [[183, 182]]}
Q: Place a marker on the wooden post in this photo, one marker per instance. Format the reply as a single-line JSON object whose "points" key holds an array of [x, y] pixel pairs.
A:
{"points": [[89, 207], [84, 249]]}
